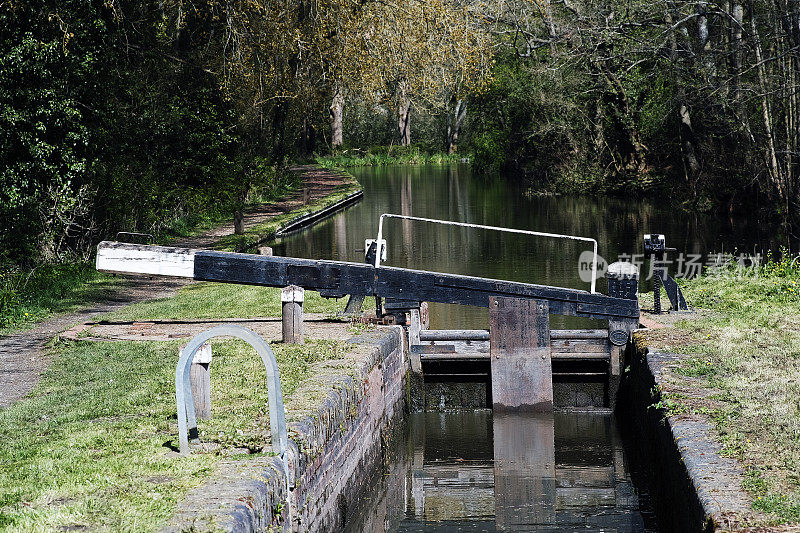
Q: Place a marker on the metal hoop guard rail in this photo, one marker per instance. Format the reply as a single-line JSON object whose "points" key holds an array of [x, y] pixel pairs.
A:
{"points": [[187, 421], [493, 228]]}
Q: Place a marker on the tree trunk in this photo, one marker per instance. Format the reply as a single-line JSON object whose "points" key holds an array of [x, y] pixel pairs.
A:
{"points": [[454, 126], [336, 111], [689, 159], [738, 16], [775, 173], [637, 160], [404, 117]]}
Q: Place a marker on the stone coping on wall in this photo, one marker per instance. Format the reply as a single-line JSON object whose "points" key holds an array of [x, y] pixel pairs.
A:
{"points": [[250, 494], [715, 479]]}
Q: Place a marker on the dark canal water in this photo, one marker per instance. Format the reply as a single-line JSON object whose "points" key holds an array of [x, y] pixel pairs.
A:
{"points": [[475, 471], [453, 193], [470, 470]]}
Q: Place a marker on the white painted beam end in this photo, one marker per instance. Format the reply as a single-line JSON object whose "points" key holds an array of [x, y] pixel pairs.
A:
{"points": [[124, 258]]}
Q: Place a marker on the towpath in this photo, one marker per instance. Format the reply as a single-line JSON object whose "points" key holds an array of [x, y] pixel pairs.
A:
{"points": [[25, 355]]}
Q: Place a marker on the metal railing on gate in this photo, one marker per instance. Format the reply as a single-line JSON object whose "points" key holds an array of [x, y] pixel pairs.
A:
{"points": [[491, 228]]}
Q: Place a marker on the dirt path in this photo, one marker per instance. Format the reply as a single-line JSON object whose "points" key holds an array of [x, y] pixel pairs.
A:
{"points": [[24, 355], [320, 183]]}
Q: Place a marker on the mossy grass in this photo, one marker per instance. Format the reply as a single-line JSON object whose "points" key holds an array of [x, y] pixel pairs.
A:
{"points": [[222, 300], [93, 445], [744, 346]]}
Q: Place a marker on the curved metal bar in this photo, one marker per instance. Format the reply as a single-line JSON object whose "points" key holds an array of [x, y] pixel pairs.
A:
{"points": [[492, 228], [187, 420]]}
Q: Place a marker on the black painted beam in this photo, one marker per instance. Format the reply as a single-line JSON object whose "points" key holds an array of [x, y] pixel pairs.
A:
{"points": [[339, 278]]}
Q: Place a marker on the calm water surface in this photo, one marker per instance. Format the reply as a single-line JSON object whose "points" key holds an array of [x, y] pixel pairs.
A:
{"points": [[471, 471], [454, 193], [475, 471]]}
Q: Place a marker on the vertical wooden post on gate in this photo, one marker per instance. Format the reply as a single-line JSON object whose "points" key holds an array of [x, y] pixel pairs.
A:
{"points": [[292, 314], [414, 327], [519, 346], [623, 282]]}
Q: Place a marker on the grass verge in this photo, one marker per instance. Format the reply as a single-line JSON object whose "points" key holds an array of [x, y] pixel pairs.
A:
{"points": [[221, 300], [30, 297], [264, 232], [744, 352], [93, 445], [386, 155]]}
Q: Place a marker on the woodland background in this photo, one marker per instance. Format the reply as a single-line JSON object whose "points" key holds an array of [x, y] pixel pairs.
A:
{"points": [[138, 115]]}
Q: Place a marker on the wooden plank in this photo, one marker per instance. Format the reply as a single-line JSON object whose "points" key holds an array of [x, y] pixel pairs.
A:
{"points": [[520, 354], [200, 380], [467, 290], [598, 336], [578, 334], [339, 278], [126, 258], [579, 346], [454, 335], [433, 348], [480, 356], [353, 307], [414, 329]]}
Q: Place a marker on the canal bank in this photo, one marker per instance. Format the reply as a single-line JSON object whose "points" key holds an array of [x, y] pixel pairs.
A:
{"points": [[337, 435], [426, 191], [688, 469], [731, 371]]}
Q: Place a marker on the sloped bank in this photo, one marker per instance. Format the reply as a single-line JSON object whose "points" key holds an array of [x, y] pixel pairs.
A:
{"points": [[695, 488], [334, 447]]}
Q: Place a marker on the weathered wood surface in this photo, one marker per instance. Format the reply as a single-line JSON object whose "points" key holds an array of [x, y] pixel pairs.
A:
{"points": [[125, 258], [292, 314], [433, 349], [354, 305], [483, 334], [339, 278], [414, 329], [457, 352], [520, 355], [455, 335]]}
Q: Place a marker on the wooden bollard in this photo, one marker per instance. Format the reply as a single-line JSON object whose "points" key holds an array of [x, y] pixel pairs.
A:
{"points": [[200, 378], [292, 313], [238, 223]]}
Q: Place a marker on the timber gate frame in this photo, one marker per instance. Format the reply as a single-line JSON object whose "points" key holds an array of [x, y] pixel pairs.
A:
{"points": [[520, 334]]}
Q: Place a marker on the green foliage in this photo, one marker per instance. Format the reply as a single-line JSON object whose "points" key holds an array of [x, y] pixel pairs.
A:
{"points": [[521, 122], [30, 296], [110, 121], [387, 155]]}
